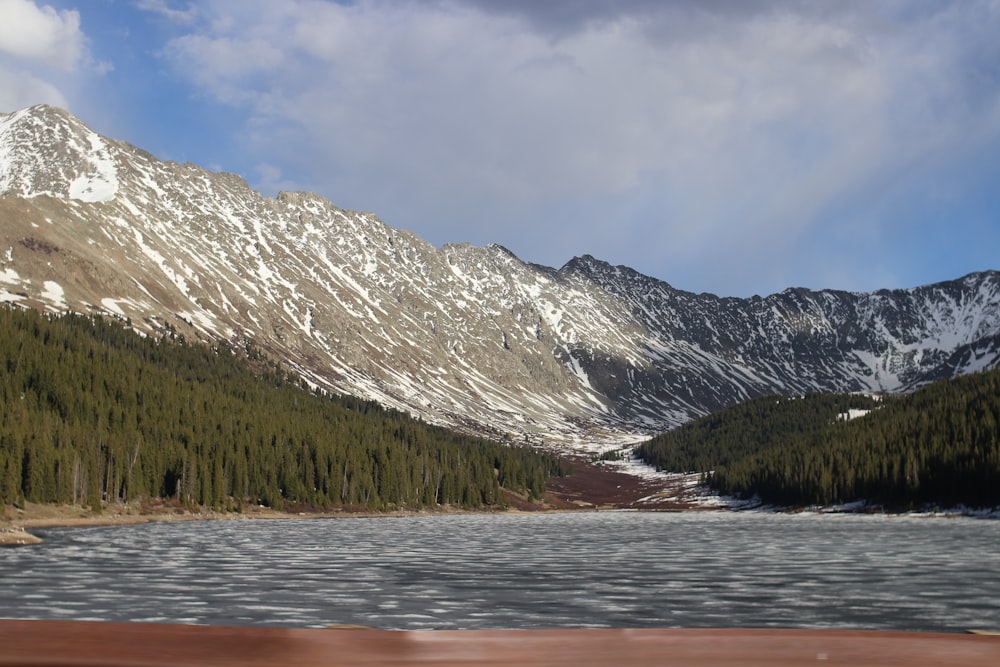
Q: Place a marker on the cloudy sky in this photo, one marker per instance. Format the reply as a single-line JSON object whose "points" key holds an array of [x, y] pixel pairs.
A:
{"points": [[725, 146]]}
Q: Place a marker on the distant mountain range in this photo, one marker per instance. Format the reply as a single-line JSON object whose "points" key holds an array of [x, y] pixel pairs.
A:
{"points": [[583, 357]]}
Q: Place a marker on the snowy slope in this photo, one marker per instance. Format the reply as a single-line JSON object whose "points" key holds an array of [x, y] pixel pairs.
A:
{"points": [[581, 357]]}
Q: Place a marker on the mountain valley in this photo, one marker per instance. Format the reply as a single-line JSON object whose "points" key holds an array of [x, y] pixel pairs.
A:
{"points": [[580, 359]]}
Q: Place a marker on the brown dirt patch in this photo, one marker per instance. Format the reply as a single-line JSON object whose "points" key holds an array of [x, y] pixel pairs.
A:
{"points": [[590, 486]]}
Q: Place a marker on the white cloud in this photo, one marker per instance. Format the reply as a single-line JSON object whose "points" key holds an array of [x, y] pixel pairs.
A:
{"points": [[184, 16], [39, 48], [40, 33], [661, 130]]}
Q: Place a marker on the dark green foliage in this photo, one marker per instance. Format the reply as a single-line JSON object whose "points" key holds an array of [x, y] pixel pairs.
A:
{"points": [[939, 445], [747, 428], [94, 412]]}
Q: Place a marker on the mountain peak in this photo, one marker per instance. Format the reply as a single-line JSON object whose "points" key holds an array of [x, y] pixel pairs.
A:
{"points": [[45, 150], [588, 266], [605, 274]]}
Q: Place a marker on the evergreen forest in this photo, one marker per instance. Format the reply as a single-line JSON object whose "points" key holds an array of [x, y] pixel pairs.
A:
{"points": [[93, 413], [939, 446]]}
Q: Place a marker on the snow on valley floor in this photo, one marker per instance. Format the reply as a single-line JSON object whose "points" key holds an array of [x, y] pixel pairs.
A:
{"points": [[671, 489], [674, 491], [687, 489]]}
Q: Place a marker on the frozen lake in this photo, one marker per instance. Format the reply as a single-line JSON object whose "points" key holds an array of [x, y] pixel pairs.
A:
{"points": [[608, 569]]}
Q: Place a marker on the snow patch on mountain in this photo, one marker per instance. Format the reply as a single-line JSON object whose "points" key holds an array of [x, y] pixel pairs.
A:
{"points": [[99, 182], [54, 294]]}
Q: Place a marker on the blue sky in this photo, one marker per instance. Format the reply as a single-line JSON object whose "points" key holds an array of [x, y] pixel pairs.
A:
{"points": [[722, 146]]}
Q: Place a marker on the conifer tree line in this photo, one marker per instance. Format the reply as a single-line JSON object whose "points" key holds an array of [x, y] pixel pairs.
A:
{"points": [[94, 412], [937, 446]]}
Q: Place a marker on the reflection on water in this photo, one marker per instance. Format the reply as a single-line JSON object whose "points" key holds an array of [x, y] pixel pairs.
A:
{"points": [[608, 569]]}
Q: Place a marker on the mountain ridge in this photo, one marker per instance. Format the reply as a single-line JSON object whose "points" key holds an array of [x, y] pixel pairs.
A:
{"points": [[581, 357]]}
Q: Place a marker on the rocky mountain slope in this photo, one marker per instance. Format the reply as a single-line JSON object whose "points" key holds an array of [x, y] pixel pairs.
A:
{"points": [[580, 357]]}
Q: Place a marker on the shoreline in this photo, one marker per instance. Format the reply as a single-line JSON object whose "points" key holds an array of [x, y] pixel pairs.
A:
{"points": [[588, 488], [18, 523], [18, 531]]}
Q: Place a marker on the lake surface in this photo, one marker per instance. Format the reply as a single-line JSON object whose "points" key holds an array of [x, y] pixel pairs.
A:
{"points": [[605, 569]]}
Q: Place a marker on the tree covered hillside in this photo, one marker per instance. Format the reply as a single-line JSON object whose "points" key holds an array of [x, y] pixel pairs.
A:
{"points": [[939, 445], [92, 412]]}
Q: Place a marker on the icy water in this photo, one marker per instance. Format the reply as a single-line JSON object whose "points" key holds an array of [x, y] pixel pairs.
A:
{"points": [[609, 569]]}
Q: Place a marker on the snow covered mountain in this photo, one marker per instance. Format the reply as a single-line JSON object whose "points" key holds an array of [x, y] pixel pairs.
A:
{"points": [[580, 357]]}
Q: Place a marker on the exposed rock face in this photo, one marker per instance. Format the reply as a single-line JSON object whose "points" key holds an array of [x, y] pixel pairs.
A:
{"points": [[582, 356]]}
